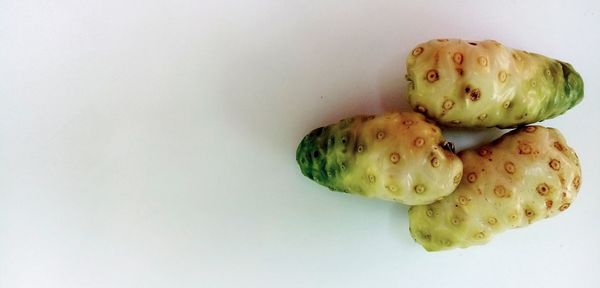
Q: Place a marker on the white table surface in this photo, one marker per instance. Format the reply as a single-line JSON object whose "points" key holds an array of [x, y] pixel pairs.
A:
{"points": [[152, 143]]}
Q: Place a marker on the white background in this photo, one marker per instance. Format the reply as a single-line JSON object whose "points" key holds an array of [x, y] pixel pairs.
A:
{"points": [[151, 143]]}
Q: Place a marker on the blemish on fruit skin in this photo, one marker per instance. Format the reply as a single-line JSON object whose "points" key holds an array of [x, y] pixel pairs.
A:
{"points": [[480, 236], [457, 58], [492, 221], [500, 191], [502, 76], [407, 122], [435, 162], [564, 207], [417, 51], [380, 135], [549, 204], [472, 177], [446, 242], [455, 221], [509, 167], [483, 152], [457, 178], [516, 56], [529, 213], [474, 95], [463, 200], [576, 182], [360, 149], [524, 148], [432, 75], [372, 178], [530, 129], [558, 146], [542, 189], [554, 164], [421, 108], [429, 212], [482, 61], [419, 189], [395, 157], [482, 116], [448, 104], [392, 188], [419, 141]]}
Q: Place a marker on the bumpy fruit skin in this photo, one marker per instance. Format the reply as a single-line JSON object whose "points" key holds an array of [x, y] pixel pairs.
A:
{"points": [[395, 156], [485, 84], [524, 176]]}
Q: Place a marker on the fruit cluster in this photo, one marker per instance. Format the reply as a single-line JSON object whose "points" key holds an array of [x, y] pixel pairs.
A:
{"points": [[460, 199]]}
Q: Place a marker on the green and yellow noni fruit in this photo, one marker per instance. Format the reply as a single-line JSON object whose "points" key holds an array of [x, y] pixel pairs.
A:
{"points": [[485, 84], [526, 175], [397, 156]]}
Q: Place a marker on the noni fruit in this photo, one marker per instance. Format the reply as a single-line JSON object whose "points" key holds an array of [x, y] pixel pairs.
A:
{"points": [[524, 176], [397, 156], [486, 84]]}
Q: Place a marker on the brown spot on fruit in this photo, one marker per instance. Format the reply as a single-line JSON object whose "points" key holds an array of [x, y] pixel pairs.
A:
{"points": [[435, 162], [407, 122], [554, 164], [380, 135], [455, 221], [421, 109], [483, 152], [482, 61], [564, 207], [429, 212], [492, 221], [482, 116], [457, 178], [473, 43], [432, 75], [530, 129], [576, 182], [460, 71], [475, 95], [558, 146], [463, 200], [549, 204], [509, 167], [524, 148], [480, 236], [500, 191], [417, 51], [457, 58], [395, 157], [502, 76], [448, 104], [529, 213], [372, 178], [419, 189], [516, 56], [360, 148], [472, 177], [542, 189], [506, 104], [419, 142]]}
